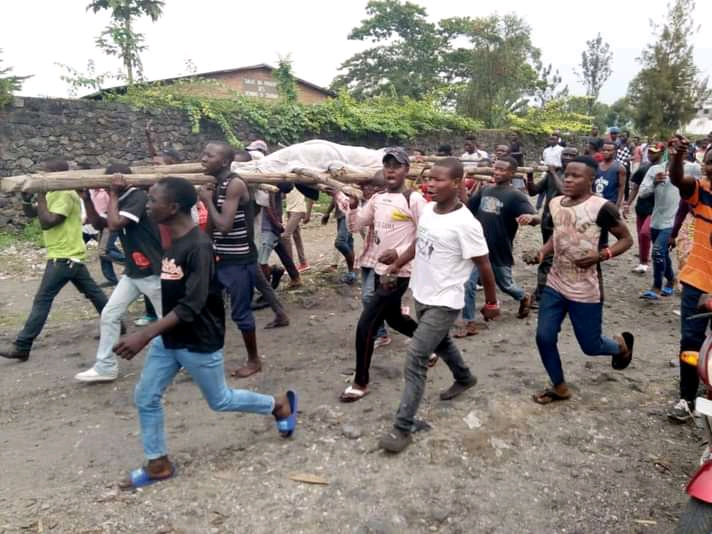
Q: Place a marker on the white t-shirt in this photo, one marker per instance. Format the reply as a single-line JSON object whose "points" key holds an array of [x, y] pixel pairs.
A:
{"points": [[477, 155], [552, 155], [444, 250]]}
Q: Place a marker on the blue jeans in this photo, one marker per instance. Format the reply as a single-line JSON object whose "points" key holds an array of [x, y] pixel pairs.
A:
{"points": [[585, 317], [368, 288], [206, 370], [662, 264], [344, 240], [692, 335], [505, 282]]}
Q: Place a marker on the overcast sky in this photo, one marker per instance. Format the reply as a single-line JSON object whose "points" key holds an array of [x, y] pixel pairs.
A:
{"points": [[222, 34]]}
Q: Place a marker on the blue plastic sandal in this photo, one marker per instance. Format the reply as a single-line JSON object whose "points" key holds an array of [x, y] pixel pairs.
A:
{"points": [[667, 291], [287, 425], [649, 295], [139, 478]]}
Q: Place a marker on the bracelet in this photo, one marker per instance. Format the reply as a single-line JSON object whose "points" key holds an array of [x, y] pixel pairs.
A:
{"points": [[492, 305], [608, 253]]}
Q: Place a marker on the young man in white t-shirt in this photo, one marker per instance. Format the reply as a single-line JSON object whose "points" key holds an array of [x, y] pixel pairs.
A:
{"points": [[449, 243]]}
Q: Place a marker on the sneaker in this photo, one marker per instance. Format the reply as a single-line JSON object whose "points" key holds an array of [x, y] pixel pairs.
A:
{"points": [[91, 376], [349, 278], [13, 353], [681, 412], [382, 341], [524, 307], [145, 320], [395, 441], [641, 269], [303, 267]]}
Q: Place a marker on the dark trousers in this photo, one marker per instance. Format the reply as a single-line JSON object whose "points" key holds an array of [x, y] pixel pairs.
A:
{"points": [[107, 266], [692, 335], [286, 259], [542, 271], [58, 273], [268, 293], [239, 281]]}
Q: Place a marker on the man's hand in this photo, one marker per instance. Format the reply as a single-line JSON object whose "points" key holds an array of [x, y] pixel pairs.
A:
{"points": [[118, 183], [392, 269], [678, 144], [525, 219], [660, 177], [129, 346], [489, 312], [389, 257], [589, 260], [279, 228], [206, 193], [672, 242], [705, 302], [306, 219], [325, 219]]}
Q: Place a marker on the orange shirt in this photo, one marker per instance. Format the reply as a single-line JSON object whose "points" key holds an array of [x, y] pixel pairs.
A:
{"points": [[698, 269]]}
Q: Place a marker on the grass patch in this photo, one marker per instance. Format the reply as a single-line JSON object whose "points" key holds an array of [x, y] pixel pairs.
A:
{"points": [[31, 233]]}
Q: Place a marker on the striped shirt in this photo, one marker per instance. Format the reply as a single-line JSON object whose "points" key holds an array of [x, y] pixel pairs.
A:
{"points": [[237, 245], [697, 271]]}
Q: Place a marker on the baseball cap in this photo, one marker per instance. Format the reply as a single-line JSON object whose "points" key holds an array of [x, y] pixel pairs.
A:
{"points": [[397, 152], [656, 147], [259, 144]]}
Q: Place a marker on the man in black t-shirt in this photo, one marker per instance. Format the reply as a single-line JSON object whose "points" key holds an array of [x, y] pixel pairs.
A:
{"points": [[501, 209], [141, 242], [190, 335]]}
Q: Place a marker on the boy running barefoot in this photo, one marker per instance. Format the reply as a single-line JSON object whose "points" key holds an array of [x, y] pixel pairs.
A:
{"points": [[574, 282], [191, 335], [449, 240]]}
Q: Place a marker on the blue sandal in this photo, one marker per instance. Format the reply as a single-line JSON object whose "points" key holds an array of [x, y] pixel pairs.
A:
{"points": [[649, 295], [287, 425], [667, 291], [139, 478]]}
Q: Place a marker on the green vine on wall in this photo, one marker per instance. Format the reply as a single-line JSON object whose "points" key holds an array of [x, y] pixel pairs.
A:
{"points": [[398, 120]]}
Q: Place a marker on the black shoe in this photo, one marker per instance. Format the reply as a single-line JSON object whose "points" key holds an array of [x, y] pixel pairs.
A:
{"points": [[457, 388], [11, 352], [395, 441]]}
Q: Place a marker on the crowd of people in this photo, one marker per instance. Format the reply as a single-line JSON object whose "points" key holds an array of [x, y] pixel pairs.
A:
{"points": [[442, 238]]}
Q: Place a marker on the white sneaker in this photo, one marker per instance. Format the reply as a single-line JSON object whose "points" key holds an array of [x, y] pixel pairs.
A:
{"points": [[90, 375], [641, 269]]}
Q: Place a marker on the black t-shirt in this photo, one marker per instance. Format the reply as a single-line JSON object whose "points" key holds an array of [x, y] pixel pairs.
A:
{"points": [[644, 205], [188, 288], [550, 188], [140, 238], [497, 209]]}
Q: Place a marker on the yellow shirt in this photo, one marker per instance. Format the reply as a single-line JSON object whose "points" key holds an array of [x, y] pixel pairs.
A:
{"points": [[64, 241]]}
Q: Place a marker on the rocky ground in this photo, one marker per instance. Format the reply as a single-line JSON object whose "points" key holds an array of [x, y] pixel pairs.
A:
{"points": [[494, 462]]}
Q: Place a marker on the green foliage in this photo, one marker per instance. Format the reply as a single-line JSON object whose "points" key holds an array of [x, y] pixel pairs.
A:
{"points": [[8, 84], [119, 38], [89, 79], [552, 115], [395, 120], [286, 82], [595, 67], [666, 92], [31, 233]]}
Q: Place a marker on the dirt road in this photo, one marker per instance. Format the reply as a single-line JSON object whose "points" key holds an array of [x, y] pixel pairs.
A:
{"points": [[493, 462]]}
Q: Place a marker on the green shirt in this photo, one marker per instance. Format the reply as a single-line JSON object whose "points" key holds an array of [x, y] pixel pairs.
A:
{"points": [[64, 241]]}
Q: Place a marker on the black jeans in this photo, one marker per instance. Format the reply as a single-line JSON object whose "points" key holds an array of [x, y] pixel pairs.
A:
{"points": [[692, 335], [58, 274], [385, 305]]}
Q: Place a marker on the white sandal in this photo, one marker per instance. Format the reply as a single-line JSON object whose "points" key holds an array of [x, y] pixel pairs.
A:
{"points": [[352, 394]]}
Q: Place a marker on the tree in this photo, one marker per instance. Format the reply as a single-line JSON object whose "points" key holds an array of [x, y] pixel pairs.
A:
{"points": [[501, 71], [547, 87], [89, 79], [595, 66], [667, 90], [120, 38], [286, 83], [9, 84], [406, 58]]}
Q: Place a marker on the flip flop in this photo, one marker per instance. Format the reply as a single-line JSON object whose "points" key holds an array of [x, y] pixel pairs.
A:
{"points": [[352, 394], [287, 425], [277, 323], [621, 361], [649, 295], [548, 396], [667, 291], [140, 478]]}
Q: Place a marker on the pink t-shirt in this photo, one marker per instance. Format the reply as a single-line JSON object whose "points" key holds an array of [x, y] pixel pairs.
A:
{"points": [[100, 199], [576, 234], [395, 222]]}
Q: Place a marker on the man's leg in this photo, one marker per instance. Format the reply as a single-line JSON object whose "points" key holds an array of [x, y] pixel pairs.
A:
{"points": [[299, 243], [208, 372], [86, 285], [503, 277], [55, 277], [288, 263], [239, 280], [269, 295], [659, 251], [293, 220], [106, 367], [643, 226], [368, 288], [587, 321], [552, 310], [692, 336], [159, 369], [434, 323], [345, 245]]}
